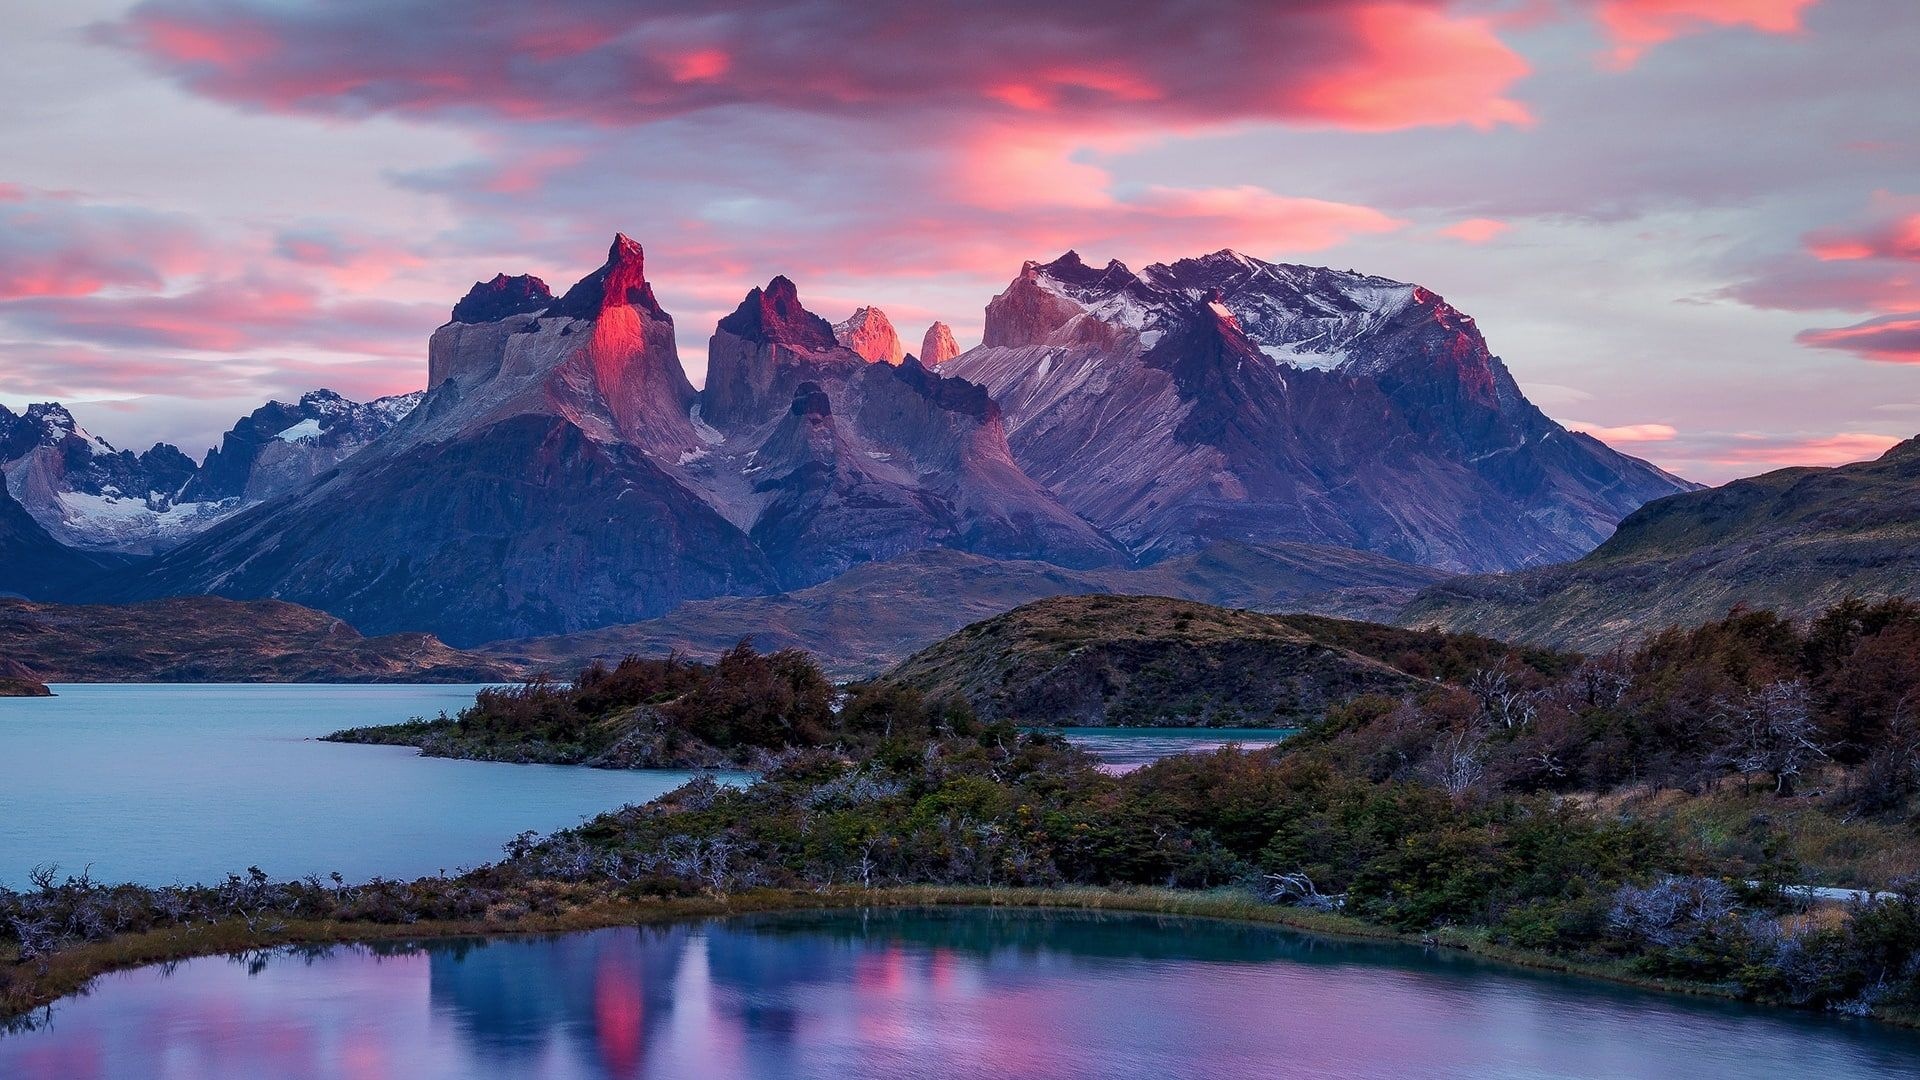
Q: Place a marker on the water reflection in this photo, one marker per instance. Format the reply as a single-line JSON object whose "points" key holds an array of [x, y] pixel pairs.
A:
{"points": [[1122, 750], [955, 993]]}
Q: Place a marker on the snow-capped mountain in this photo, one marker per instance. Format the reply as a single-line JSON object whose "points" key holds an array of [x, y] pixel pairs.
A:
{"points": [[279, 447], [1224, 397], [561, 473], [87, 494]]}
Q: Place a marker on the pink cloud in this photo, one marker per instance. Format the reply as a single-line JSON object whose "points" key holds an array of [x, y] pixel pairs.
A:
{"points": [[1798, 283], [1626, 433], [1638, 25], [350, 259], [1478, 230], [1376, 65], [1415, 65], [1892, 231], [1840, 449], [1893, 339], [231, 316], [54, 245]]}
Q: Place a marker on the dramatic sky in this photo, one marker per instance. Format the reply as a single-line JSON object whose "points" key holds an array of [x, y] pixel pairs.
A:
{"points": [[1690, 226]]}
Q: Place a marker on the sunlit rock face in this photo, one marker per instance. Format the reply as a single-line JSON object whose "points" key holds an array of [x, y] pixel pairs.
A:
{"points": [[870, 333], [938, 346], [830, 458], [1225, 397], [536, 488], [561, 472]]}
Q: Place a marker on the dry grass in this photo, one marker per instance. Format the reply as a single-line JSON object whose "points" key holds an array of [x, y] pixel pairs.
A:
{"points": [[1730, 823]]}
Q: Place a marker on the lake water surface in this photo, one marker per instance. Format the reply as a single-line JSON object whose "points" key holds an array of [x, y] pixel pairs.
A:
{"points": [[952, 993], [161, 783], [1122, 750]]}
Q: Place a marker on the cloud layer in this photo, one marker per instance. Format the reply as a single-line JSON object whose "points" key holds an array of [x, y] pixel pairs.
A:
{"points": [[1640, 199]]}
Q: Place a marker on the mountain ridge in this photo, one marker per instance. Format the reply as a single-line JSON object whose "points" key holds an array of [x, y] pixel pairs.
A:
{"points": [[1794, 540]]}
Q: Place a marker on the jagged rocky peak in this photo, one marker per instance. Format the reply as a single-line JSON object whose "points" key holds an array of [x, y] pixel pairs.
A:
{"points": [[1044, 305], [938, 346], [775, 316], [491, 301], [621, 282], [870, 333]]}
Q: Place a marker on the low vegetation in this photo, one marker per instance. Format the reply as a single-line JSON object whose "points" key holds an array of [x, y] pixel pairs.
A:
{"points": [[666, 712], [1648, 815]]}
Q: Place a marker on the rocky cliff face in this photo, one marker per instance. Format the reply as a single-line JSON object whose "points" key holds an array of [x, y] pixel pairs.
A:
{"points": [[938, 346], [870, 333], [1228, 398], [561, 473], [280, 447], [830, 459]]}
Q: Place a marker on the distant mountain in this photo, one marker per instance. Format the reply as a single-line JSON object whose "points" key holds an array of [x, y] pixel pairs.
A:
{"points": [[204, 639], [1228, 398], [875, 615], [89, 495], [1793, 541], [1144, 661], [280, 447]]}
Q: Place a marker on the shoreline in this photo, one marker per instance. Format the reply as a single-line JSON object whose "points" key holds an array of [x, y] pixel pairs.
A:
{"points": [[71, 972]]}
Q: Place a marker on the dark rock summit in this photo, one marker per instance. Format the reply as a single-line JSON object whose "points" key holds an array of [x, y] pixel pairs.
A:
{"points": [[491, 301]]}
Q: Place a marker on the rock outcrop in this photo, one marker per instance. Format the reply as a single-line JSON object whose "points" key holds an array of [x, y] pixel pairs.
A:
{"points": [[870, 333], [938, 346]]}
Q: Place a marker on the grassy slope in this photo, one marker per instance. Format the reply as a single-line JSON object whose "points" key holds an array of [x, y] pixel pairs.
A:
{"points": [[1143, 660], [1794, 541], [206, 639]]}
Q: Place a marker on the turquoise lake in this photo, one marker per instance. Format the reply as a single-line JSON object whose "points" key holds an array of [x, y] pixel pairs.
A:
{"points": [[161, 783], [955, 994]]}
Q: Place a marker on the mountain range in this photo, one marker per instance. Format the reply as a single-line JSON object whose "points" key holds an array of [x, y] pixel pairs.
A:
{"points": [[561, 473], [88, 495]]}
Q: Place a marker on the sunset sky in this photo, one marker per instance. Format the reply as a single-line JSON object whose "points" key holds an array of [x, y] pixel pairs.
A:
{"points": [[1690, 226]]}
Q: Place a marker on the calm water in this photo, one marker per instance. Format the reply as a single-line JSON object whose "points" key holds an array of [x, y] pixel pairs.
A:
{"points": [[1125, 749], [165, 783], [953, 994]]}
